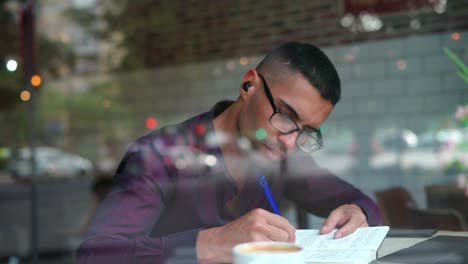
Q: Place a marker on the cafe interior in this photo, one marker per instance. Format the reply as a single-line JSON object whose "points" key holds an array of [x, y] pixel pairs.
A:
{"points": [[82, 79]]}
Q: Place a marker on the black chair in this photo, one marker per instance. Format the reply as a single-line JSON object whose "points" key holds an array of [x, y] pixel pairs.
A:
{"points": [[447, 196]]}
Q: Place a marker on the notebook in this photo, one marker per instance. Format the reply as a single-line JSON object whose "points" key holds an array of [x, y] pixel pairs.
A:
{"points": [[356, 248]]}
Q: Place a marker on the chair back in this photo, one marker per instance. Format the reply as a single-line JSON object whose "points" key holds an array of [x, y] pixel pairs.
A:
{"points": [[393, 204], [399, 210]]}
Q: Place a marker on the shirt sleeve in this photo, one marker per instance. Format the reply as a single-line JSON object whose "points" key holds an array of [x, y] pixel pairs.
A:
{"points": [[319, 191], [120, 230]]}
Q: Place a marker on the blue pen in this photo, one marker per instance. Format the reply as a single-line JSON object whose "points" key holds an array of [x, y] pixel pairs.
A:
{"points": [[266, 190]]}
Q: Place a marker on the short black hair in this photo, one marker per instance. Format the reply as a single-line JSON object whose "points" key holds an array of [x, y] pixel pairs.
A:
{"points": [[309, 60]]}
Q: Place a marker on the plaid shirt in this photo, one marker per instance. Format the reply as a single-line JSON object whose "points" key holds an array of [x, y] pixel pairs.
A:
{"points": [[173, 182]]}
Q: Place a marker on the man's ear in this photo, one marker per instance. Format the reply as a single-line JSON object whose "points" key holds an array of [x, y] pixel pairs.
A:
{"points": [[247, 82]]}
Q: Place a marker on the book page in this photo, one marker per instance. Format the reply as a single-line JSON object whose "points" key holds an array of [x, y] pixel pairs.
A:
{"points": [[339, 256], [362, 238]]}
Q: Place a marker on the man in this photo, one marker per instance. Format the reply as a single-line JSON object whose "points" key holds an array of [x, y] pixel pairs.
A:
{"points": [[194, 184]]}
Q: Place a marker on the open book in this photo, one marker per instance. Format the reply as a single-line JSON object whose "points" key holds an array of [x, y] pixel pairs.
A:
{"points": [[359, 247]]}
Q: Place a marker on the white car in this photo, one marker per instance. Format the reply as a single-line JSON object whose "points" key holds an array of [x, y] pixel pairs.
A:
{"points": [[50, 162]]}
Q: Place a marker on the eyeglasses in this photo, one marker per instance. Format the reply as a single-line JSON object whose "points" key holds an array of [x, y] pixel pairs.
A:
{"points": [[309, 138]]}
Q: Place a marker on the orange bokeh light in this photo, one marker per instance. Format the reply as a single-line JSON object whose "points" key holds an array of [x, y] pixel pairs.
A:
{"points": [[456, 36], [36, 80]]}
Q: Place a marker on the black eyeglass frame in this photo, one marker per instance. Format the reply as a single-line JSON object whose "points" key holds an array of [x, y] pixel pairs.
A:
{"points": [[306, 131]]}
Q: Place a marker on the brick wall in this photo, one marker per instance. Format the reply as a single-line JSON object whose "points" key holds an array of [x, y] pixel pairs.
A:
{"points": [[377, 95], [179, 32]]}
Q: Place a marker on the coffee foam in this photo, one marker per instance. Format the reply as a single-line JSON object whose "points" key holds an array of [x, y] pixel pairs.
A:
{"points": [[268, 249]]}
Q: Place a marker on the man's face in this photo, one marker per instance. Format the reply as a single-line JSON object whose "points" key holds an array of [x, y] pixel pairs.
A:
{"points": [[294, 96]]}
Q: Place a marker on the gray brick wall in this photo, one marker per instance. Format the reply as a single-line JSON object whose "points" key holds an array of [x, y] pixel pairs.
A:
{"points": [[420, 97]]}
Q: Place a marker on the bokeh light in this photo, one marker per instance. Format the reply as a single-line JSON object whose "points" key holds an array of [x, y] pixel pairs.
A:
{"points": [[415, 24], [456, 36], [260, 134], [244, 61], [401, 65], [347, 20], [230, 66], [12, 65], [151, 123], [5, 153], [200, 129], [181, 164], [36, 80], [25, 96], [349, 57], [211, 160], [370, 22]]}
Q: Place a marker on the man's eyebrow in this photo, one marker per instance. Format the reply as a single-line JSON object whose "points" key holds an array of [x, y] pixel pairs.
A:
{"points": [[291, 109]]}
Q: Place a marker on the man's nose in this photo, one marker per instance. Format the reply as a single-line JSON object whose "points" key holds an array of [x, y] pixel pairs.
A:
{"points": [[288, 141]]}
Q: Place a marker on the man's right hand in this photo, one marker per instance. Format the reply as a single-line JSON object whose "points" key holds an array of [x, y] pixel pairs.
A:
{"points": [[214, 245]]}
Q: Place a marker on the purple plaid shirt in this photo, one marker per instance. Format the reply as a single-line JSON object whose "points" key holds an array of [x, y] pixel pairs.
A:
{"points": [[164, 192]]}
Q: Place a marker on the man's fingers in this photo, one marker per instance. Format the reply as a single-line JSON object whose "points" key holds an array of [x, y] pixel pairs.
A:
{"points": [[349, 228], [356, 220], [345, 230], [277, 234], [288, 230], [335, 217], [279, 223], [283, 224]]}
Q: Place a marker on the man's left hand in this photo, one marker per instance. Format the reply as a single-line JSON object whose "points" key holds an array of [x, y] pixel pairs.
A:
{"points": [[347, 218]]}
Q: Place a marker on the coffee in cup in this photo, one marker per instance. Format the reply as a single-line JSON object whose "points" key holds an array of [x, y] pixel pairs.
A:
{"points": [[268, 253]]}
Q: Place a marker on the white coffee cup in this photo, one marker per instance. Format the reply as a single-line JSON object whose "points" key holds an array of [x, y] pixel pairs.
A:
{"points": [[268, 253]]}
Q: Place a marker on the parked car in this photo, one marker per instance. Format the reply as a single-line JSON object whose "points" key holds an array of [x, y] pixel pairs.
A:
{"points": [[51, 162]]}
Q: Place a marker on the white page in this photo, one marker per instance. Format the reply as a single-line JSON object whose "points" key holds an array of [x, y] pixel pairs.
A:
{"points": [[339, 256], [362, 238]]}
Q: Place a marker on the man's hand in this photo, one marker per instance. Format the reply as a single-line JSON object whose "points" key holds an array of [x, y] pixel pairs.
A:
{"points": [[347, 218], [214, 245]]}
